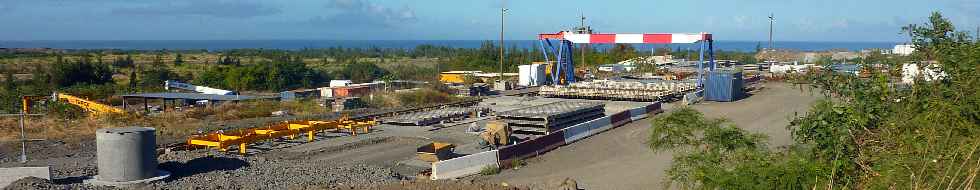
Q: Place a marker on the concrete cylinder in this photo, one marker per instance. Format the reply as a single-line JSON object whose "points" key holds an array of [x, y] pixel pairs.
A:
{"points": [[126, 154]]}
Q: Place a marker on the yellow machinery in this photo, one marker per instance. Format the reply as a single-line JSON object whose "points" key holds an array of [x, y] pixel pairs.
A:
{"points": [[435, 151], [91, 107], [221, 140], [497, 133], [456, 76]]}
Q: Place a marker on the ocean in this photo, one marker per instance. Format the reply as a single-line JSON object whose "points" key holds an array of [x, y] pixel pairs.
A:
{"points": [[217, 45]]}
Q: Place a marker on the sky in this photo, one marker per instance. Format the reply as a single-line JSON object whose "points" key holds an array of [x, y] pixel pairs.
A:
{"points": [[743, 20]]}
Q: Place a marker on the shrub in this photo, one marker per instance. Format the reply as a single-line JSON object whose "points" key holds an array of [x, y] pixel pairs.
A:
{"points": [[490, 170]]}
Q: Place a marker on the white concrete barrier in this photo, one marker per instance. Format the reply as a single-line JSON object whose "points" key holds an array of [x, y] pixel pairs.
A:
{"points": [[464, 166], [583, 130], [472, 164], [9, 175], [639, 113], [596, 129]]}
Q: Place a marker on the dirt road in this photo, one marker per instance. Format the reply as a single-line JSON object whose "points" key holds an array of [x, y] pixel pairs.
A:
{"points": [[618, 159]]}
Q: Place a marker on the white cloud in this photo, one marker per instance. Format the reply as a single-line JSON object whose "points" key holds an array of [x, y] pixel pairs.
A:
{"points": [[215, 8], [365, 14], [741, 21]]}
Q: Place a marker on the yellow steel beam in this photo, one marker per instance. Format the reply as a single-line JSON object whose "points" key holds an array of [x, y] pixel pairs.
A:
{"points": [[243, 137]]}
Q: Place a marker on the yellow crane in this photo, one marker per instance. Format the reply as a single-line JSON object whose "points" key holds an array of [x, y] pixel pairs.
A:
{"points": [[91, 107]]}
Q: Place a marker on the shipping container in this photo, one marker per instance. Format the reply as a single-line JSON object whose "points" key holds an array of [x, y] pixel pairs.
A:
{"points": [[287, 96], [531, 75], [724, 86], [351, 91], [326, 92]]}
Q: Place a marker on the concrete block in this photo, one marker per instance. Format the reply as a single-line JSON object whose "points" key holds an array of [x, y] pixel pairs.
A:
{"points": [[464, 166], [9, 175]]}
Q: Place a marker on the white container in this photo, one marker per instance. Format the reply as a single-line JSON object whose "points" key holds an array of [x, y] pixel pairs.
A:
{"points": [[326, 92], [340, 83], [531, 75], [524, 75], [538, 74]]}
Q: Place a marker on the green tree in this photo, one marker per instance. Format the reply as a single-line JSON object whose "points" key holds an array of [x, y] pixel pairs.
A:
{"points": [[178, 60], [363, 72], [153, 78], [9, 83], [133, 81], [68, 73], [621, 52]]}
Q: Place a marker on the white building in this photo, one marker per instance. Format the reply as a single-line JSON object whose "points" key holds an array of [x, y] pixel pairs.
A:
{"points": [[612, 68], [911, 71], [795, 68], [904, 49]]}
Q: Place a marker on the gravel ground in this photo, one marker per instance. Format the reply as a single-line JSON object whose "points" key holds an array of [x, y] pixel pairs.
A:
{"points": [[198, 170], [620, 158], [378, 160]]}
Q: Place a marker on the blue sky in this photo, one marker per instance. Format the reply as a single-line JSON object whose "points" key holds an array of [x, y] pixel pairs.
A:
{"points": [[796, 20]]}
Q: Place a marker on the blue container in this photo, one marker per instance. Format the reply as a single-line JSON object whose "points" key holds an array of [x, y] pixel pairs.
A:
{"points": [[724, 86], [287, 96]]}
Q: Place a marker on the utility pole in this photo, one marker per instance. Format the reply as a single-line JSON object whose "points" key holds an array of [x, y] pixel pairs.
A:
{"points": [[771, 19], [976, 37], [584, 47], [503, 11]]}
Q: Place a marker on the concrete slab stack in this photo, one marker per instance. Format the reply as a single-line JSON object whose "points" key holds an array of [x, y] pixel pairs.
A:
{"points": [[544, 119], [434, 116], [619, 90]]}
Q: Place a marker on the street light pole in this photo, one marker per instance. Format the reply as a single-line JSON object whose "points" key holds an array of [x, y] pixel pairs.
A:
{"points": [[500, 70], [771, 19]]}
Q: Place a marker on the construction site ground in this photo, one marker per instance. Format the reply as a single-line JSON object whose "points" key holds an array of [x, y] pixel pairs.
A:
{"points": [[381, 158], [620, 159]]}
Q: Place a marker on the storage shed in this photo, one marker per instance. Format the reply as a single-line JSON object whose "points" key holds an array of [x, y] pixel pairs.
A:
{"points": [[724, 86]]}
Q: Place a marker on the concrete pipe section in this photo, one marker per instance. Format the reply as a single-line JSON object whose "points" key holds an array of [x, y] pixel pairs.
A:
{"points": [[126, 156]]}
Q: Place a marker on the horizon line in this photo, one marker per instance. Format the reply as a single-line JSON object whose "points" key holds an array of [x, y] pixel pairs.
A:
{"points": [[116, 40]]}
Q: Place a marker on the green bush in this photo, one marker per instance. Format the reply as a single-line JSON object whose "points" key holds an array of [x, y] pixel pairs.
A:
{"points": [[490, 170], [867, 133]]}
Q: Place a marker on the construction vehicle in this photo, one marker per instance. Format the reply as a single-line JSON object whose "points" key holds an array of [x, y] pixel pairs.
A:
{"points": [[200, 89], [92, 107], [496, 134]]}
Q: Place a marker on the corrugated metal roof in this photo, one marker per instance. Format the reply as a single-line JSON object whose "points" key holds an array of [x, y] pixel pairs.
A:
{"points": [[195, 96]]}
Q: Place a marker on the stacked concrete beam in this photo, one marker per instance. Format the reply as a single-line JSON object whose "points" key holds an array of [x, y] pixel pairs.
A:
{"points": [[619, 90], [546, 118], [434, 116]]}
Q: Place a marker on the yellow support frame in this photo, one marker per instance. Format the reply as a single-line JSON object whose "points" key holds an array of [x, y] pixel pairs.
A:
{"points": [[221, 140]]}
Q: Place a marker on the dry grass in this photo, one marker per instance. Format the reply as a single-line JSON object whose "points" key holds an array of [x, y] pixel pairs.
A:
{"points": [[231, 111], [170, 124]]}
